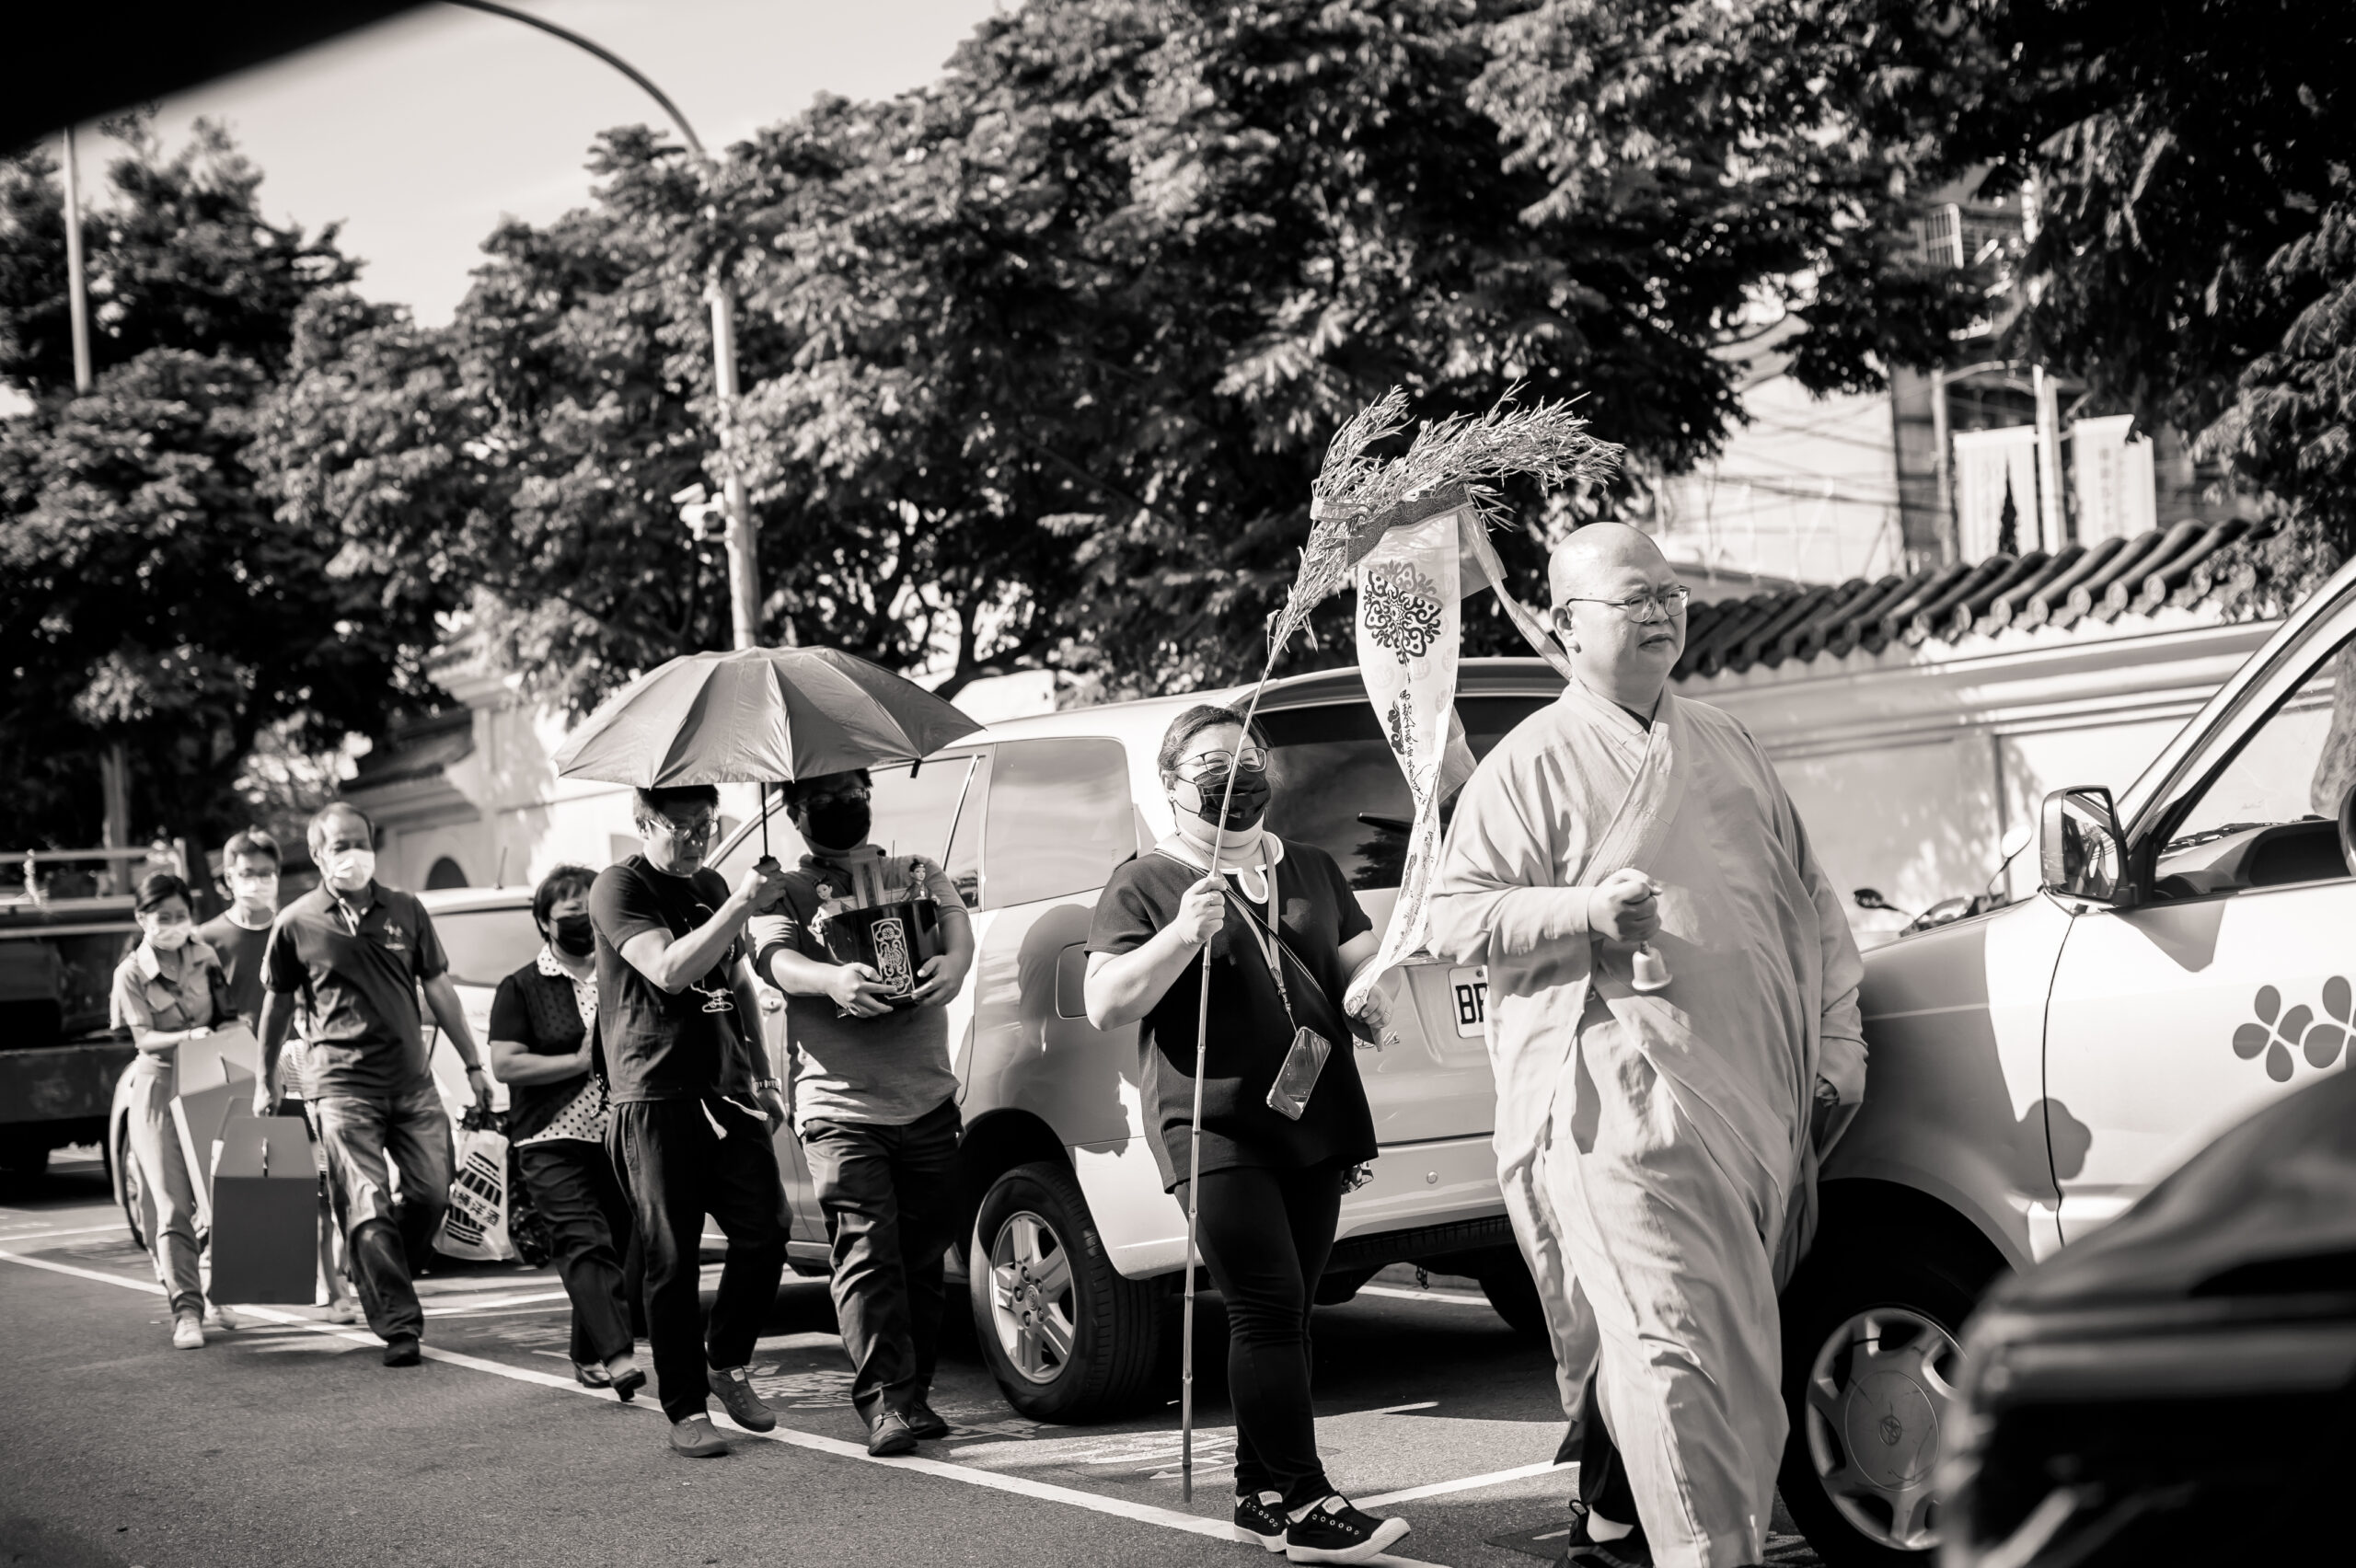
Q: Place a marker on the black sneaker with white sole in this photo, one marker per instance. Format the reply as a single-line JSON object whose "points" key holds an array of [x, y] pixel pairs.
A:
{"points": [[1335, 1532], [1628, 1550], [1260, 1519]]}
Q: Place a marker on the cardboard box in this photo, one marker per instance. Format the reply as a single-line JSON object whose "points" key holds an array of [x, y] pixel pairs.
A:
{"points": [[215, 1075], [265, 1211]]}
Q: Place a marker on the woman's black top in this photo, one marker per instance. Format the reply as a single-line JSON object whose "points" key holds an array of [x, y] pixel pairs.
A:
{"points": [[1249, 1030], [538, 1011]]}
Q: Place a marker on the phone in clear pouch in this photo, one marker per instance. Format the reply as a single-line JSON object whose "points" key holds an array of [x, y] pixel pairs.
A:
{"points": [[1289, 1096]]}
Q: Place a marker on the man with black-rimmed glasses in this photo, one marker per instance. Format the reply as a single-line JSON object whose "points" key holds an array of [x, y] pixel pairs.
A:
{"points": [[693, 1102]]}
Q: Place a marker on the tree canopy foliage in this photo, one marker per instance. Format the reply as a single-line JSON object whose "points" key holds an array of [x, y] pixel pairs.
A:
{"points": [[149, 595], [1039, 360], [2189, 163]]}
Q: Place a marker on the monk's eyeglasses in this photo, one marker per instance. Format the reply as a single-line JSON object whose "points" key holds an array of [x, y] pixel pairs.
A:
{"points": [[1668, 602]]}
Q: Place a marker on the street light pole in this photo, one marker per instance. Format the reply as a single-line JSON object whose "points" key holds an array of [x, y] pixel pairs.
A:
{"points": [[741, 536]]}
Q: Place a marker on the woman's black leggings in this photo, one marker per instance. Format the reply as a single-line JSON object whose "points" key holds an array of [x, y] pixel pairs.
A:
{"points": [[1265, 1236]]}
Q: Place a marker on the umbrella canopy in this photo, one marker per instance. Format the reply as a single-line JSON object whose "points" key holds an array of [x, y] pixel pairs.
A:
{"points": [[759, 715]]}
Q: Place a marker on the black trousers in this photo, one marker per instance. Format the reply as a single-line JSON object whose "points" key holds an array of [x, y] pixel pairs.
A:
{"points": [[598, 1255], [1265, 1236], [677, 1170], [1604, 1478], [889, 1195]]}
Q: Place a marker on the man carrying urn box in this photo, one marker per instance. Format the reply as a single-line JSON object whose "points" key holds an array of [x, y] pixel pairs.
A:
{"points": [[874, 1096]]}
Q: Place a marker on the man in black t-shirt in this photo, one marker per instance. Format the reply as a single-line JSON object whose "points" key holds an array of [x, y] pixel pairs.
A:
{"points": [[694, 1101]]}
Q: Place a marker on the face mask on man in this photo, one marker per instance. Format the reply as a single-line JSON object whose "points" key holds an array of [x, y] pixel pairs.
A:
{"points": [[572, 935], [1201, 797], [838, 823], [171, 935], [351, 870]]}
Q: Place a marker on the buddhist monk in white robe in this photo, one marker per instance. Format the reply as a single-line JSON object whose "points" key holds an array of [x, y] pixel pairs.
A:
{"points": [[1655, 1145]]}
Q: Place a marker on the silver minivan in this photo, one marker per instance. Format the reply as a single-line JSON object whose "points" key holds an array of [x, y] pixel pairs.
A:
{"points": [[1074, 1251]]}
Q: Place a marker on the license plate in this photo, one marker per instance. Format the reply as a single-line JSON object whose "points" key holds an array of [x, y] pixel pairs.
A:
{"points": [[1468, 991]]}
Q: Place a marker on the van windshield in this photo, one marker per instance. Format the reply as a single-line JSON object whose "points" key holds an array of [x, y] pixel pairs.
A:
{"points": [[1338, 786]]}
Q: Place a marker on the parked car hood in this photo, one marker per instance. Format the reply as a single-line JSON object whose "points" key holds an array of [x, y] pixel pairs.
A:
{"points": [[2267, 1209]]}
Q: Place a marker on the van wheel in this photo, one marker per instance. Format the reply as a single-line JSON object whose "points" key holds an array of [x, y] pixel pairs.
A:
{"points": [[1505, 1280], [1067, 1338], [135, 1192], [1870, 1354]]}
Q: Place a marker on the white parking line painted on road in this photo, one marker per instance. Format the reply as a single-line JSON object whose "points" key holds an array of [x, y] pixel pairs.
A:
{"points": [[1453, 1298], [1024, 1486], [470, 1305], [81, 1230], [1470, 1483]]}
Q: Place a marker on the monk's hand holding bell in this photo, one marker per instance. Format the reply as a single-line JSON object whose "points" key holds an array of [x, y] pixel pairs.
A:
{"points": [[1203, 911], [1622, 908]]}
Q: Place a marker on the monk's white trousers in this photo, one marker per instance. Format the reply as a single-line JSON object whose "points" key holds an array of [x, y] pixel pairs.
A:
{"points": [[1649, 1252]]}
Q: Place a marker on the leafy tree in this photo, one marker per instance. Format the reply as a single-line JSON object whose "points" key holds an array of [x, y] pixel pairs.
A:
{"points": [[1041, 359], [149, 599], [2189, 166]]}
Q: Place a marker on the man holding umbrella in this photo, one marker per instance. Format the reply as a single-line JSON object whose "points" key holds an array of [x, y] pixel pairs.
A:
{"points": [[676, 1003], [693, 1099]]}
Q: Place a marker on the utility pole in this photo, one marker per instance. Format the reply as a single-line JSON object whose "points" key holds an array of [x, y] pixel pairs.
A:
{"points": [[742, 536], [114, 757]]}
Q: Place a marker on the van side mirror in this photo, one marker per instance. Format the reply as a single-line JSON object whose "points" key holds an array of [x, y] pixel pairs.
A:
{"points": [[2081, 853]]}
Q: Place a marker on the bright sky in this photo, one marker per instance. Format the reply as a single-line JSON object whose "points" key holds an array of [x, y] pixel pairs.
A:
{"points": [[420, 133]]}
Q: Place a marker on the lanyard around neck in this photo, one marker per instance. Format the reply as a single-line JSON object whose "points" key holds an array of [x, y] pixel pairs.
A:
{"points": [[1271, 942]]}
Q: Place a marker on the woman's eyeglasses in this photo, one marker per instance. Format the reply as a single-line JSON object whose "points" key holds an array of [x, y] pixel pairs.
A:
{"points": [[1667, 602], [1251, 759]]}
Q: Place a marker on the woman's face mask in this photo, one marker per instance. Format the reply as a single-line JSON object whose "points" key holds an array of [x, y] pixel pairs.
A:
{"points": [[167, 932], [1199, 796], [572, 935]]}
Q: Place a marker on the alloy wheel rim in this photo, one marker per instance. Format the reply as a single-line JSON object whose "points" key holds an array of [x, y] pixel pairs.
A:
{"points": [[1878, 1394], [1031, 1297]]}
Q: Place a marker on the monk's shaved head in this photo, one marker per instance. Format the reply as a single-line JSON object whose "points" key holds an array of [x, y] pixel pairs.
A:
{"points": [[1593, 560]]}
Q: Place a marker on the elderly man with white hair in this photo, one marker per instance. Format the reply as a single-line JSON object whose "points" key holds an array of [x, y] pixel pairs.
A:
{"points": [[354, 955], [1673, 1022]]}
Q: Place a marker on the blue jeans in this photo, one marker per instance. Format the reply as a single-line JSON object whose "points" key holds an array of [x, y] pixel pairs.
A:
{"points": [[388, 1173]]}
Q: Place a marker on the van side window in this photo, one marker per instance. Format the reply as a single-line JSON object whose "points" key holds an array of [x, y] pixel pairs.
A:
{"points": [[1339, 784], [1059, 820], [2271, 816]]}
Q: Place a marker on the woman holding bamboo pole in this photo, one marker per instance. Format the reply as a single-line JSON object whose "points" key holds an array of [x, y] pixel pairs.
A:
{"points": [[1284, 1118]]}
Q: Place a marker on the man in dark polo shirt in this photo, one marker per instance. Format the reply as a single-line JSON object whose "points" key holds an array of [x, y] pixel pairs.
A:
{"points": [[693, 1102], [354, 955]]}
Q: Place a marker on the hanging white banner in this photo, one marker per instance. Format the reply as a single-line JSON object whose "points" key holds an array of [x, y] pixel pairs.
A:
{"points": [[2116, 495], [1989, 464], [1410, 637]]}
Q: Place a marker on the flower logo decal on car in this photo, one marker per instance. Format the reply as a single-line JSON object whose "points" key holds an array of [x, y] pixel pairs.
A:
{"points": [[1403, 609], [2276, 1034]]}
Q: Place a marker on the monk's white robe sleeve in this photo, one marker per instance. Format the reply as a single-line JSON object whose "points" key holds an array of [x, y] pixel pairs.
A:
{"points": [[1497, 897]]}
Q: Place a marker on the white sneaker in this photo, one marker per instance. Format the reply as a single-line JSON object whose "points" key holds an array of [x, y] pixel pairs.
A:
{"points": [[219, 1317], [343, 1309], [188, 1331]]}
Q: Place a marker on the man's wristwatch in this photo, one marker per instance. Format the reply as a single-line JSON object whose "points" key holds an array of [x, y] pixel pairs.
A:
{"points": [[765, 1083]]}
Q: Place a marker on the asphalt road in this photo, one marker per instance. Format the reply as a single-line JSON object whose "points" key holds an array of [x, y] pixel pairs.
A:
{"points": [[287, 1443]]}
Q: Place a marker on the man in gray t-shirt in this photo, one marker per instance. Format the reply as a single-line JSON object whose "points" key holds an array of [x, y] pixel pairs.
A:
{"points": [[874, 1103]]}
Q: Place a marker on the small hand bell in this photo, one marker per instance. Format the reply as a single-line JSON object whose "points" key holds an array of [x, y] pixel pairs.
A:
{"points": [[1650, 973]]}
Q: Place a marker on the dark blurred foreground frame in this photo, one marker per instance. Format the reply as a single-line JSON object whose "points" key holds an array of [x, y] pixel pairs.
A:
{"points": [[80, 62]]}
